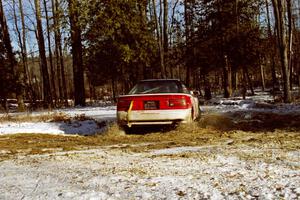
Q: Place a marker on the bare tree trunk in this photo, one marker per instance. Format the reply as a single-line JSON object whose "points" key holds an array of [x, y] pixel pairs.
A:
{"points": [[165, 35], [43, 62], [226, 80], [143, 15], [159, 42], [279, 12], [249, 81], [299, 78], [56, 51], [290, 41], [223, 56], [244, 86], [59, 54], [113, 87], [171, 38], [24, 56], [78, 71], [207, 89], [262, 76], [273, 53], [229, 75], [52, 75], [24, 52], [188, 22]]}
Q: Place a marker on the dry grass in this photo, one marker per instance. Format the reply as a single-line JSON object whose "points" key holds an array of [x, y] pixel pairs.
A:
{"points": [[253, 121], [50, 117], [194, 135], [211, 130]]}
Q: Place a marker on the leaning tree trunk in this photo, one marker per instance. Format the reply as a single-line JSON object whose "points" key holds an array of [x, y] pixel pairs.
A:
{"points": [[79, 92], [41, 43], [279, 12]]}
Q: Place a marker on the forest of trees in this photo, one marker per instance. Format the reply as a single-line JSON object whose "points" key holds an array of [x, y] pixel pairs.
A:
{"points": [[52, 51]]}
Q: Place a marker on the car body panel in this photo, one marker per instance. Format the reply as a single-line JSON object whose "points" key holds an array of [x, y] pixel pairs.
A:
{"points": [[157, 108], [146, 117]]}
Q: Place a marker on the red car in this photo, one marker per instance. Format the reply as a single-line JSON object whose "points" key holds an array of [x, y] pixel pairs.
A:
{"points": [[157, 102]]}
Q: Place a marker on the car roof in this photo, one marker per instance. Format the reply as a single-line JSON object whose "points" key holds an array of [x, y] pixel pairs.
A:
{"points": [[146, 80]]}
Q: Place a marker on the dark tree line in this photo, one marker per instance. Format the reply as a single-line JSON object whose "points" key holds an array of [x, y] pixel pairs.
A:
{"points": [[83, 47]]}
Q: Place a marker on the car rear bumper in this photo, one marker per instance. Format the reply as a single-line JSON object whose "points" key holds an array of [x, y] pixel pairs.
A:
{"points": [[153, 117]]}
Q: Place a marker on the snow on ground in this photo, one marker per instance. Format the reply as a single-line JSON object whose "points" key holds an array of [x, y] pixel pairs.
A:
{"points": [[101, 116], [252, 106], [209, 173], [86, 127], [99, 113], [205, 172], [260, 102], [107, 112]]}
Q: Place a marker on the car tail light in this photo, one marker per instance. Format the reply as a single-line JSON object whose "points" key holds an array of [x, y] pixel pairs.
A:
{"points": [[177, 103], [123, 105]]}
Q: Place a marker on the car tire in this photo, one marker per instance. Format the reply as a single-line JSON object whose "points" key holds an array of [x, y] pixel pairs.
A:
{"points": [[199, 114], [190, 118], [126, 129]]}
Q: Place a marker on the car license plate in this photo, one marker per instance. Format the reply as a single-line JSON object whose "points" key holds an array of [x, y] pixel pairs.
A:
{"points": [[151, 105]]}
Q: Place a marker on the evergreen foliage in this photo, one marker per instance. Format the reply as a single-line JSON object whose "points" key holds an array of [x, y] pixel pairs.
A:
{"points": [[119, 43], [215, 46]]}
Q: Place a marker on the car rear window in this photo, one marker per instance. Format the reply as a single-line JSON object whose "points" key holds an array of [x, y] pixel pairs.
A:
{"points": [[154, 87]]}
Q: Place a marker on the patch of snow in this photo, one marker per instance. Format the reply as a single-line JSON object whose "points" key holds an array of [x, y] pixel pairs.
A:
{"points": [[235, 107], [101, 116], [115, 174], [261, 102], [176, 150], [87, 127]]}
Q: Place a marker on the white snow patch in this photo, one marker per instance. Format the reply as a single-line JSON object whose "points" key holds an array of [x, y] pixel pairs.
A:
{"points": [[101, 116], [87, 127], [176, 150], [114, 174]]}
